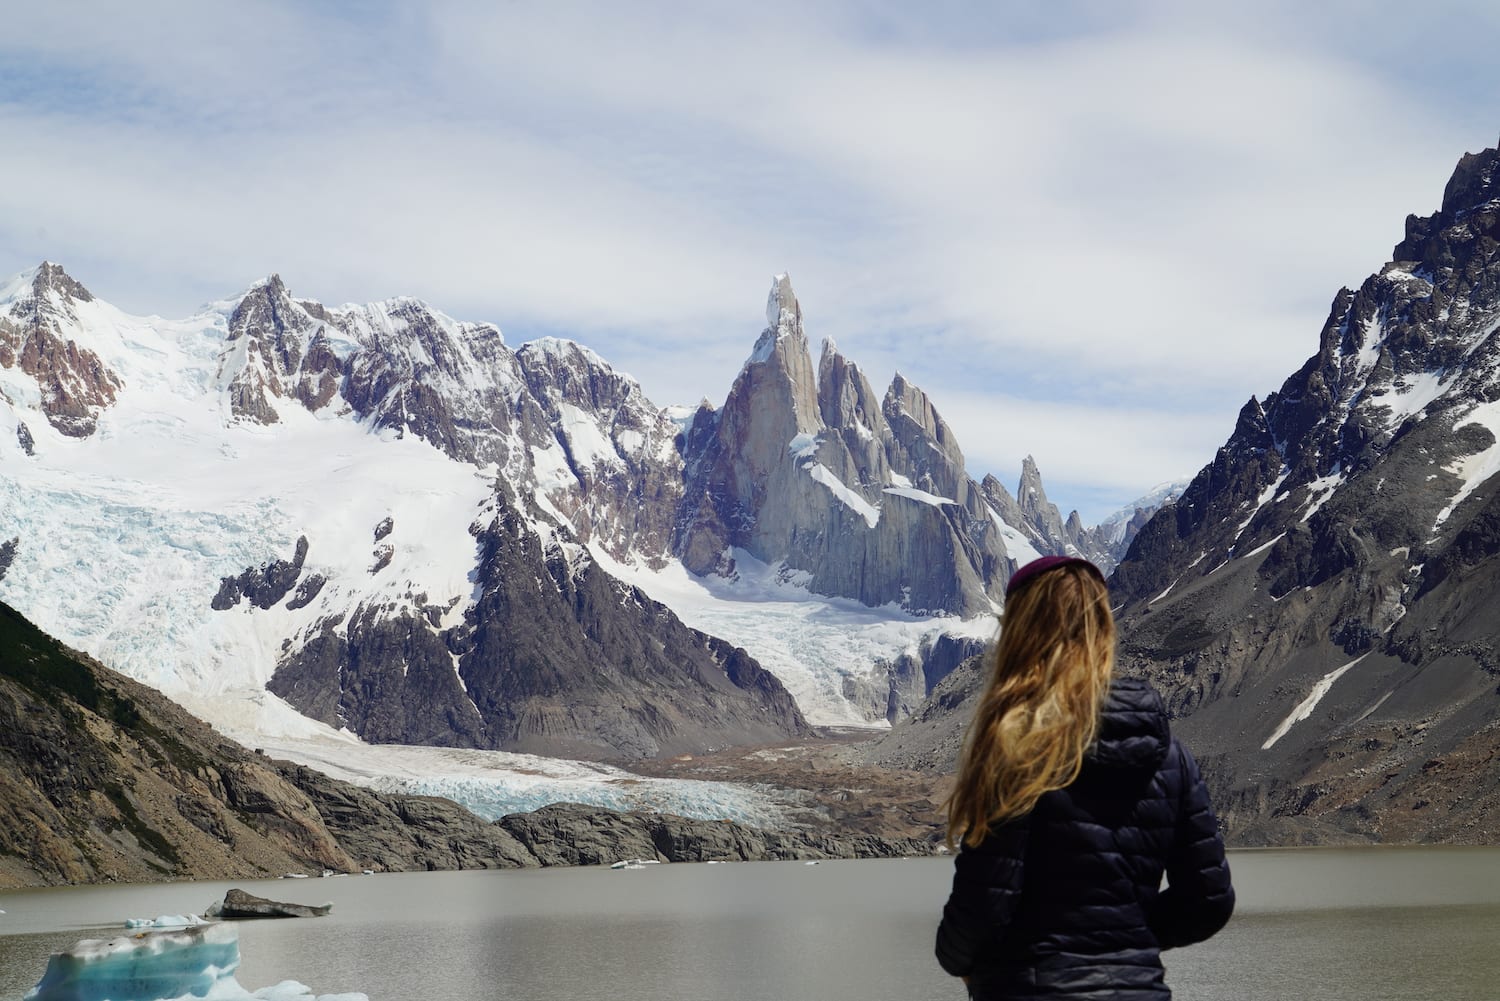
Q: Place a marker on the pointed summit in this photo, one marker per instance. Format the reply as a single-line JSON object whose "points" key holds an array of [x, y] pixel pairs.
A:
{"points": [[783, 321], [1038, 511], [48, 284], [51, 277], [926, 450], [275, 349], [782, 308], [845, 399]]}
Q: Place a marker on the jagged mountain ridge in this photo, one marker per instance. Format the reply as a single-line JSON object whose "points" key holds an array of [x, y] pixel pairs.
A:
{"points": [[868, 495], [378, 613], [1319, 603]]}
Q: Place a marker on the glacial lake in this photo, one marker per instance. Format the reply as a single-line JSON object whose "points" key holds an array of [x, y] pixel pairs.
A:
{"points": [[1328, 924]]}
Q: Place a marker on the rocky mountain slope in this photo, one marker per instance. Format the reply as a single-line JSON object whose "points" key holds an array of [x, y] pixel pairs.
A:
{"points": [[104, 779], [1319, 605]]}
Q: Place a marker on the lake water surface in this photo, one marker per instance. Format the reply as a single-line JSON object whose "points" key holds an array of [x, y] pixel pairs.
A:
{"points": [[1325, 924]]}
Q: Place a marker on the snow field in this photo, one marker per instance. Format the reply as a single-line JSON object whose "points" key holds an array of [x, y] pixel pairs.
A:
{"points": [[812, 643]]}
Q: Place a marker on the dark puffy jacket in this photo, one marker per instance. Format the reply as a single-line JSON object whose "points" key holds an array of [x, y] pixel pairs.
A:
{"points": [[1067, 900]]}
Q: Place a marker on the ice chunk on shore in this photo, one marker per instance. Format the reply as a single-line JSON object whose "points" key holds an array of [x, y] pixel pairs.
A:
{"points": [[162, 965]]}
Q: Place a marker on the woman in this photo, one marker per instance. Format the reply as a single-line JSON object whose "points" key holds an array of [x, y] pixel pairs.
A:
{"points": [[1072, 801]]}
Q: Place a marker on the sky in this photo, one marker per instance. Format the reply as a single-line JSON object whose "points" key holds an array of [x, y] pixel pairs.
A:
{"points": [[1090, 231]]}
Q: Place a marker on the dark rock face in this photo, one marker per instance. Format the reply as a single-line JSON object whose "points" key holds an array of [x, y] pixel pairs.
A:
{"points": [[8, 554], [277, 351], [569, 661], [578, 660], [24, 438], [389, 678], [307, 590], [619, 447], [265, 585]]}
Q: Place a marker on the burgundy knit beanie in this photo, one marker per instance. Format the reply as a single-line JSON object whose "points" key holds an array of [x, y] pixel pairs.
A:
{"points": [[1038, 567]]}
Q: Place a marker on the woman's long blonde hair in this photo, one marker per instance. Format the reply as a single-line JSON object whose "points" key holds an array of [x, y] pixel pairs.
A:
{"points": [[1040, 711]]}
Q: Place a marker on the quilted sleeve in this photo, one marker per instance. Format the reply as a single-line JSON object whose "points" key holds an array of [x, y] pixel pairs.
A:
{"points": [[986, 888], [1199, 897]]}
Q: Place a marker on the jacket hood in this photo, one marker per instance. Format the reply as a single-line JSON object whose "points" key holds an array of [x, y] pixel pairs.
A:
{"points": [[1133, 730]]}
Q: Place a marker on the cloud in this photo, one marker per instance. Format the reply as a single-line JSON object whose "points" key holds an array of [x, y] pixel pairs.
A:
{"points": [[1113, 218]]}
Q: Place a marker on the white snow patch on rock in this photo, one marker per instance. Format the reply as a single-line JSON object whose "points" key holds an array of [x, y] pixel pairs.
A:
{"points": [[1474, 469], [822, 474], [1306, 706]]}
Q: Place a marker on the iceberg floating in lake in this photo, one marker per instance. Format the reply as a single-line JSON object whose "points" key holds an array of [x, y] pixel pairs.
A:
{"points": [[163, 965], [165, 921]]}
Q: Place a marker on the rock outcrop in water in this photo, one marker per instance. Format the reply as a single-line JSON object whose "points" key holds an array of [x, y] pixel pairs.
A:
{"points": [[238, 905]]}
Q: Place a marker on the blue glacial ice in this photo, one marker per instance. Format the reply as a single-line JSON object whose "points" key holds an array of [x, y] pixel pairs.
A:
{"points": [[161, 965]]}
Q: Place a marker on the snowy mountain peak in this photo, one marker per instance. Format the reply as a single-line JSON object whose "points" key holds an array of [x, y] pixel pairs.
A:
{"points": [[272, 352], [45, 295], [783, 322], [36, 284], [271, 284], [1407, 369], [51, 278], [51, 332], [782, 309]]}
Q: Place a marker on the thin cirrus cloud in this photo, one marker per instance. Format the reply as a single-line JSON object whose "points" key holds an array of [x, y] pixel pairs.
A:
{"points": [[1110, 219]]}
